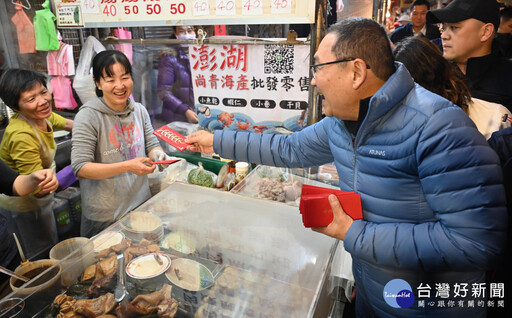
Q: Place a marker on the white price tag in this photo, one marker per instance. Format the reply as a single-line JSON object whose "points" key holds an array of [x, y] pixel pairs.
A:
{"points": [[281, 6], [225, 7], [201, 7], [90, 6], [252, 7]]}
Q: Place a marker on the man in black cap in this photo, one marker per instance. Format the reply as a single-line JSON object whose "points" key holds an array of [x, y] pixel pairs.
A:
{"points": [[467, 31]]}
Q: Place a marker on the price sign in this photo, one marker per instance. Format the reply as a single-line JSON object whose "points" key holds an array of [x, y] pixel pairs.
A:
{"points": [[136, 13], [281, 6], [90, 6], [201, 7], [177, 9], [225, 7], [252, 7]]}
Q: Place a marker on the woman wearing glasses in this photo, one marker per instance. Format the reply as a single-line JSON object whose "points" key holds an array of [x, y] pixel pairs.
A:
{"points": [[175, 80]]}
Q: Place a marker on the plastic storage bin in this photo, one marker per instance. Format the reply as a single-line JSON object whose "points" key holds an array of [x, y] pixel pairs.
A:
{"points": [[72, 194], [62, 217]]}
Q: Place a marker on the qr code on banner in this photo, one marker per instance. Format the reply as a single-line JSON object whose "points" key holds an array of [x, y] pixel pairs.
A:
{"points": [[278, 59]]}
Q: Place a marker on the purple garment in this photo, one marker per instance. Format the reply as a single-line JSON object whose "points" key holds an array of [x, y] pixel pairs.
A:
{"points": [[175, 85], [66, 177]]}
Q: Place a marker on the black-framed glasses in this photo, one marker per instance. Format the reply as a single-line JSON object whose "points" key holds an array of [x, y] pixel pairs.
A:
{"points": [[314, 68]]}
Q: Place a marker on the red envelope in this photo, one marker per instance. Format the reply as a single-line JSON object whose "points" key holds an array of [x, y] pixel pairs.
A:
{"points": [[171, 137], [316, 209], [165, 162], [308, 190]]}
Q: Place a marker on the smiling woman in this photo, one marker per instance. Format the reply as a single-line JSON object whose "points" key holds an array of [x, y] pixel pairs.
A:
{"points": [[112, 143], [28, 144]]}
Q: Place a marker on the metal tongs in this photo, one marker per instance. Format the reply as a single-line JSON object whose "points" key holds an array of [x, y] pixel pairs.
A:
{"points": [[120, 291]]}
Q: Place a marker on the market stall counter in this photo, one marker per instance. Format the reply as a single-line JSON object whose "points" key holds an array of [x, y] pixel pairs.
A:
{"points": [[193, 252]]}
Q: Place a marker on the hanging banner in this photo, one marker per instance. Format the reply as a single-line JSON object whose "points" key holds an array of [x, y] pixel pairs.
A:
{"points": [[257, 88], [127, 13]]}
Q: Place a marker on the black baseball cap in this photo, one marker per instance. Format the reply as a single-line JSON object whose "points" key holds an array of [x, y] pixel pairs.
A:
{"points": [[487, 11]]}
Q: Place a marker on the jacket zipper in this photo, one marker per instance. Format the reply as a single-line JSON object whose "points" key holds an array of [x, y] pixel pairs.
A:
{"points": [[355, 165]]}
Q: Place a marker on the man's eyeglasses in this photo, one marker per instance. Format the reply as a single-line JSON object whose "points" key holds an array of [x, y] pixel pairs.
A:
{"points": [[314, 68]]}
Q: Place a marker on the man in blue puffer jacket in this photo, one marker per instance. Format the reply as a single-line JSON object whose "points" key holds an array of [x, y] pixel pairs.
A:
{"points": [[434, 216]]}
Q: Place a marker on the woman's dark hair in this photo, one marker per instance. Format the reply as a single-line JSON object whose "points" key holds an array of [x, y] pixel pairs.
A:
{"points": [[431, 70], [15, 81], [103, 62]]}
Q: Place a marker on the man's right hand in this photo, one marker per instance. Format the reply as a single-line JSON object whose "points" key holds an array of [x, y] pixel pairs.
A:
{"points": [[201, 141]]}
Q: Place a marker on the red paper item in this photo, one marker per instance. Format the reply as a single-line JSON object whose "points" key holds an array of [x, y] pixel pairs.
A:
{"points": [[165, 162], [316, 209], [171, 137]]}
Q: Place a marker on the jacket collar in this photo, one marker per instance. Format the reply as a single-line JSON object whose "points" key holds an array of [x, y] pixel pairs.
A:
{"points": [[391, 93], [396, 88]]}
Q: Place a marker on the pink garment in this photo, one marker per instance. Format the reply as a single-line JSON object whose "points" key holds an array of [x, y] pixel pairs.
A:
{"points": [[126, 48], [61, 62], [62, 93], [25, 31]]}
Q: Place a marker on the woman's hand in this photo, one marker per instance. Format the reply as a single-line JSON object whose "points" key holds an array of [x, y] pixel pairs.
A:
{"points": [[140, 166], [191, 116], [47, 180], [201, 141]]}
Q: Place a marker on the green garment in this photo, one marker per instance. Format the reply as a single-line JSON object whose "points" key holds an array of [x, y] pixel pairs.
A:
{"points": [[44, 28]]}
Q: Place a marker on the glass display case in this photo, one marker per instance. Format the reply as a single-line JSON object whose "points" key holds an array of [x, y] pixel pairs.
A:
{"points": [[284, 185], [193, 252]]}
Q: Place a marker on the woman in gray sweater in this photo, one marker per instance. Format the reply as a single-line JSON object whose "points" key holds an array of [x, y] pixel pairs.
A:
{"points": [[112, 145]]}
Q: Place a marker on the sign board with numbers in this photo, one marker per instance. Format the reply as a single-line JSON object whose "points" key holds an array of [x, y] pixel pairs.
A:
{"points": [[256, 88], [128, 13]]}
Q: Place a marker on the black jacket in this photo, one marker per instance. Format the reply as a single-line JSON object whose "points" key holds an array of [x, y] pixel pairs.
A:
{"points": [[406, 30], [489, 78]]}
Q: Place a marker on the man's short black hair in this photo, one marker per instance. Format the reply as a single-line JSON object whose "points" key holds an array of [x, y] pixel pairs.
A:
{"points": [[506, 13], [15, 81], [103, 63], [366, 39], [420, 3]]}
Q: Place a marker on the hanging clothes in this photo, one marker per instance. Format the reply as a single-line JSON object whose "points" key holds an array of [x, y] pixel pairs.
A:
{"points": [[63, 93], [44, 27], [61, 62], [24, 30]]}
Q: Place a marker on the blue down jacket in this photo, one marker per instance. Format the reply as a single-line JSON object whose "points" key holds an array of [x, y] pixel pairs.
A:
{"points": [[431, 190], [175, 85]]}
